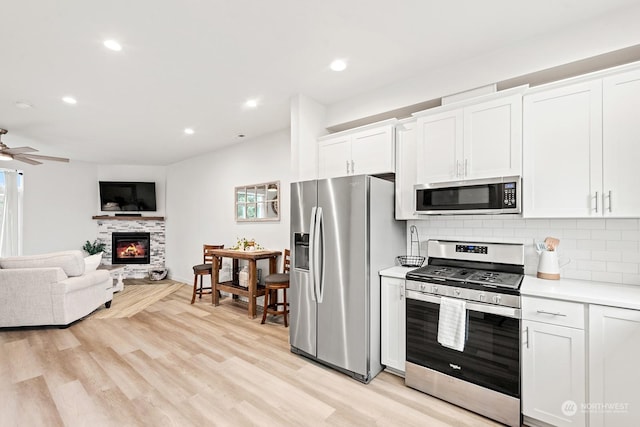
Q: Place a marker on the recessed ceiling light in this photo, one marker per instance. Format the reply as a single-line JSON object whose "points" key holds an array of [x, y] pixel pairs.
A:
{"points": [[338, 65], [70, 100], [251, 103], [23, 105], [189, 131], [113, 45]]}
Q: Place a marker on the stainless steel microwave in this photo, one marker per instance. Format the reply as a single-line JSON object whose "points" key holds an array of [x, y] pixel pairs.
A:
{"points": [[499, 195]]}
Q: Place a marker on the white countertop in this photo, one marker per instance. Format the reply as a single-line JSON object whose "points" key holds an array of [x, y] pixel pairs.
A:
{"points": [[611, 294], [397, 272], [583, 291]]}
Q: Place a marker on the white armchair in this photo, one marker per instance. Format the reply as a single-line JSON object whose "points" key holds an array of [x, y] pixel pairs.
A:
{"points": [[50, 289]]}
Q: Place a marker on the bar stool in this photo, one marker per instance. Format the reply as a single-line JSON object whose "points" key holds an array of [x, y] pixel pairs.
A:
{"points": [[202, 270], [273, 283]]}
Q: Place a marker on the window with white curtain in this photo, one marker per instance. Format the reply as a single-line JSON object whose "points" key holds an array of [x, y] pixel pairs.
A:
{"points": [[11, 195]]}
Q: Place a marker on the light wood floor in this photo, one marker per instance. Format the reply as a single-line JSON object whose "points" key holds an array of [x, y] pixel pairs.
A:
{"points": [[176, 364]]}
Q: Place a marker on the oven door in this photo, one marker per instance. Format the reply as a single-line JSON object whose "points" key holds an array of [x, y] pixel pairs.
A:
{"points": [[491, 355]]}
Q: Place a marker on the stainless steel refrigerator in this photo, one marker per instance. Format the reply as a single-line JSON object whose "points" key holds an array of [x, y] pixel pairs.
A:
{"points": [[343, 232]]}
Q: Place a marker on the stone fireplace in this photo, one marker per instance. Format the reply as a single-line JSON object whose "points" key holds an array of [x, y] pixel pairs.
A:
{"points": [[130, 248], [154, 227]]}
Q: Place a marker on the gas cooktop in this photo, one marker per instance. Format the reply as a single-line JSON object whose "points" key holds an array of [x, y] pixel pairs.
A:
{"points": [[459, 276]]}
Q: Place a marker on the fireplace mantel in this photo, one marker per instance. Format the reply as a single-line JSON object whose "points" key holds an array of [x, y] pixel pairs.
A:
{"points": [[128, 218]]}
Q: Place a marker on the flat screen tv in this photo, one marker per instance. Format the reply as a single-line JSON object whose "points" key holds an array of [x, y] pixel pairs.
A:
{"points": [[127, 196]]}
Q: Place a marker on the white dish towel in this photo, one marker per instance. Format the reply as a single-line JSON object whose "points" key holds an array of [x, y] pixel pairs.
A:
{"points": [[452, 324]]}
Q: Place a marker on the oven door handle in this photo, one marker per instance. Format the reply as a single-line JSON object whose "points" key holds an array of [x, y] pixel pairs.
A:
{"points": [[473, 306]]}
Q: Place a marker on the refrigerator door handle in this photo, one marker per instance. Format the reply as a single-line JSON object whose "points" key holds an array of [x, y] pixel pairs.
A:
{"points": [[320, 255], [312, 252], [317, 266]]}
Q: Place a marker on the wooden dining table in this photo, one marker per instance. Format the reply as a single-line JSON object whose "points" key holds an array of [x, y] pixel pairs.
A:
{"points": [[231, 286]]}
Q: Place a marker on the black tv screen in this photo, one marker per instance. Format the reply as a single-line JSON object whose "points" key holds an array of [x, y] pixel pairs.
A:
{"points": [[127, 196]]}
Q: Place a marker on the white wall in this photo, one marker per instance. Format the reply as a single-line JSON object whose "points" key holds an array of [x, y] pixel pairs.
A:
{"points": [[307, 123], [605, 34], [61, 198], [200, 200]]}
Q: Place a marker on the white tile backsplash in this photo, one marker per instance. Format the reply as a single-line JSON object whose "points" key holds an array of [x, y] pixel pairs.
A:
{"points": [[629, 257], [608, 256], [605, 250], [631, 279], [600, 276], [623, 267]]}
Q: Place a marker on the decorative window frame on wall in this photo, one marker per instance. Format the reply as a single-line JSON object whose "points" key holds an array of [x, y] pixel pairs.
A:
{"points": [[257, 202]]}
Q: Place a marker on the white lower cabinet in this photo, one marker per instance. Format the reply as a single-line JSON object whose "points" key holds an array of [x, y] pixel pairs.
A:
{"points": [[392, 318], [614, 354], [555, 349], [553, 362]]}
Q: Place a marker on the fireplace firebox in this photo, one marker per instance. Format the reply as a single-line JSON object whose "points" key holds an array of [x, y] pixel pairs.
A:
{"points": [[130, 248]]}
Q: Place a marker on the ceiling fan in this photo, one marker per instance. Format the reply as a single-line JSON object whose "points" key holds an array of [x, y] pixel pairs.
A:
{"points": [[23, 154]]}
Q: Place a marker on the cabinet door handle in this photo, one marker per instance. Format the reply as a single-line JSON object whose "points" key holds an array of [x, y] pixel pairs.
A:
{"points": [[457, 168], [609, 201], [551, 314], [347, 167], [401, 292], [353, 169], [596, 202], [466, 167], [526, 334]]}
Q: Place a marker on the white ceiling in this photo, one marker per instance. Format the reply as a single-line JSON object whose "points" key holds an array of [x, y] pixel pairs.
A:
{"points": [[193, 63]]}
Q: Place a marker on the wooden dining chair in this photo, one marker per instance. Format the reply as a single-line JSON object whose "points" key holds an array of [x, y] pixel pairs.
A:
{"points": [[273, 283], [204, 269]]}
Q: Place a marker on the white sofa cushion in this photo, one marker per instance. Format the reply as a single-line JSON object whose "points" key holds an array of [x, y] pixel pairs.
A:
{"points": [[72, 262], [20, 276], [92, 262]]}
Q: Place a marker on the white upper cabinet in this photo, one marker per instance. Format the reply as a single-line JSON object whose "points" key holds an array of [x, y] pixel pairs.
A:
{"points": [[439, 147], [582, 147], [406, 138], [366, 150], [621, 144], [334, 157], [372, 151], [479, 140], [493, 138], [562, 151]]}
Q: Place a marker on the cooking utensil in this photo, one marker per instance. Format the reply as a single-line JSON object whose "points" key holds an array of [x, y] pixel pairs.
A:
{"points": [[552, 243]]}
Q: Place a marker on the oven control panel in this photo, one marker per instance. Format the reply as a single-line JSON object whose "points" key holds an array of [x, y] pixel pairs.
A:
{"points": [[472, 249], [486, 297]]}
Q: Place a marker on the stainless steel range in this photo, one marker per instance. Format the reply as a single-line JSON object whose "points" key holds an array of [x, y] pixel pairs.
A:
{"points": [[470, 290]]}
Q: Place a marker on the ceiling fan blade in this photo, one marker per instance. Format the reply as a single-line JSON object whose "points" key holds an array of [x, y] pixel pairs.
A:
{"points": [[19, 150], [39, 157], [26, 160]]}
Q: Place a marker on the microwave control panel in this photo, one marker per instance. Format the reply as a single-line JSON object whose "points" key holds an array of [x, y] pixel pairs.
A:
{"points": [[509, 193]]}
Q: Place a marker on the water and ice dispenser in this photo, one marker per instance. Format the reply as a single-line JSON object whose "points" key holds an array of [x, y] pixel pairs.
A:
{"points": [[301, 257]]}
